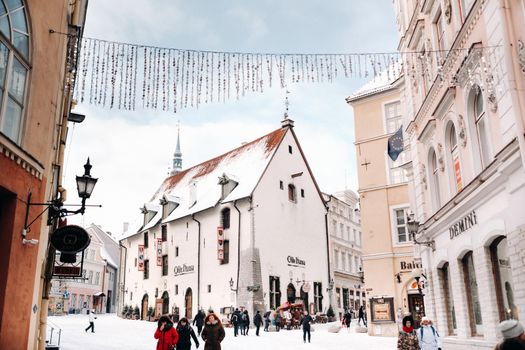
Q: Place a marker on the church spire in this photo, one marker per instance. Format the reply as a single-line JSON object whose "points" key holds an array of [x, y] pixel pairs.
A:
{"points": [[177, 156]]}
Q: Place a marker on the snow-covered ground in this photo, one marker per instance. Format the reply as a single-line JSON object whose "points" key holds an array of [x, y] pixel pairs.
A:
{"points": [[112, 332]]}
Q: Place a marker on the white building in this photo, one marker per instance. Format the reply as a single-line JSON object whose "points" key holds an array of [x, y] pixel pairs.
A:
{"points": [[244, 229], [344, 228], [465, 133]]}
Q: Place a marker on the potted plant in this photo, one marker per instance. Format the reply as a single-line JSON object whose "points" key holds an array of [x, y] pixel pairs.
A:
{"points": [[124, 311], [129, 313], [136, 313], [330, 314], [151, 313]]}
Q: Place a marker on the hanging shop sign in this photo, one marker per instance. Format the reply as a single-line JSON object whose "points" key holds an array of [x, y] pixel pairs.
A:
{"points": [[140, 258], [464, 224], [382, 309], [159, 251], [183, 269], [220, 243], [295, 261], [70, 239]]}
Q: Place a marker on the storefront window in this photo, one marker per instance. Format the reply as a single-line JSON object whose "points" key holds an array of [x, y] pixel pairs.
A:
{"points": [[503, 280], [275, 292], [448, 298], [471, 288]]}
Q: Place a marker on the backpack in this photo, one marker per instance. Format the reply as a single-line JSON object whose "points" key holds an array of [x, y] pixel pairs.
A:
{"points": [[234, 318], [433, 332], [243, 317]]}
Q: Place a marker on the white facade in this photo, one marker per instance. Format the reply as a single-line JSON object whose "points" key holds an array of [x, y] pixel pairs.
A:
{"points": [[466, 142], [344, 228], [275, 234]]}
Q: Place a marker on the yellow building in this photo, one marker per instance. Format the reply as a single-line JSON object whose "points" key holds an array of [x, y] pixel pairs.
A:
{"points": [[388, 257]]}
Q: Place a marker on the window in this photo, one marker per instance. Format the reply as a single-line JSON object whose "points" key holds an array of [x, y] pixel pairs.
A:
{"points": [[343, 263], [292, 195], [471, 288], [482, 127], [97, 278], [290, 149], [444, 274], [347, 233], [164, 233], [440, 34], [341, 230], [454, 157], [176, 289], [275, 292], [396, 172], [354, 237], [146, 240], [226, 246], [350, 263], [302, 192], [146, 269], [503, 280], [338, 296], [225, 218], [92, 254], [318, 296], [434, 180], [337, 259], [209, 288], [400, 225], [14, 66], [84, 274], [345, 299], [90, 277], [176, 251], [393, 117], [164, 265], [281, 185]]}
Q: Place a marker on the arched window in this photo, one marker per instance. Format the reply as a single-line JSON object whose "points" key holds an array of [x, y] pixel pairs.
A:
{"points": [[434, 180], [471, 289], [448, 298], [482, 127], [503, 279], [165, 303], [453, 150], [225, 218], [14, 66], [292, 195]]}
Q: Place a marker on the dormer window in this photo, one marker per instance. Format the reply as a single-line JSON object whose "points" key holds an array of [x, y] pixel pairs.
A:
{"points": [[292, 193], [169, 204], [228, 185], [225, 218]]}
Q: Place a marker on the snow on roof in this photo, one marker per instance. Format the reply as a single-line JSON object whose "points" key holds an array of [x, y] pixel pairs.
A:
{"points": [[155, 220], [381, 82], [106, 256]]}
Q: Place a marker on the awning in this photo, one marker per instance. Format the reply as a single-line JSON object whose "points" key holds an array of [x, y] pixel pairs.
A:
{"points": [[99, 294]]}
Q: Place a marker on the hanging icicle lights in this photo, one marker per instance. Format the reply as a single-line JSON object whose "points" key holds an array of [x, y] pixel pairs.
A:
{"points": [[128, 76]]}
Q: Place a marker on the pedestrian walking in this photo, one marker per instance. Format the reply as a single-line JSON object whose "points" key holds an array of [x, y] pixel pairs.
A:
{"points": [[513, 336], [92, 319], [361, 315], [347, 319], [277, 321], [407, 339], [236, 319], [306, 322], [428, 335], [213, 332], [267, 320], [198, 320], [186, 332], [245, 317], [257, 321], [167, 335]]}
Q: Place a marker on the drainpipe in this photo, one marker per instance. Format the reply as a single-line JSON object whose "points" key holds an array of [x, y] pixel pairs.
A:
{"points": [[509, 41], [122, 272], [328, 245], [198, 263], [238, 250]]}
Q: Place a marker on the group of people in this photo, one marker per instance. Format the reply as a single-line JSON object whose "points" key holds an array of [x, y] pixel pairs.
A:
{"points": [[347, 317], [208, 327], [427, 336], [241, 320]]}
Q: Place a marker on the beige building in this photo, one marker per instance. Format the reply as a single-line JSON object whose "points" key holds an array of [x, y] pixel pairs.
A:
{"points": [[388, 260], [465, 103]]}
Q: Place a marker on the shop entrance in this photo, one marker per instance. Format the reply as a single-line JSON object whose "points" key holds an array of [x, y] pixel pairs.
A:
{"points": [[416, 306], [144, 312], [188, 300]]}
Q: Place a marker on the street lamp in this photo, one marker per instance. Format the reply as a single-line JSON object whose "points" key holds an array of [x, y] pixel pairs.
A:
{"points": [[86, 183], [413, 228], [231, 282], [361, 274], [417, 274]]}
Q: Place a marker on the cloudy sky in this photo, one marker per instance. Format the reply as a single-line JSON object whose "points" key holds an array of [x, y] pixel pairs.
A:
{"points": [[131, 151]]}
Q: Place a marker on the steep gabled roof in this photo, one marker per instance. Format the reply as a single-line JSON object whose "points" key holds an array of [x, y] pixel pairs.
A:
{"points": [[245, 164]]}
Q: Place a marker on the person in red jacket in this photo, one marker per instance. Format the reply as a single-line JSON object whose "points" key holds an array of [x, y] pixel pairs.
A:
{"points": [[166, 334]]}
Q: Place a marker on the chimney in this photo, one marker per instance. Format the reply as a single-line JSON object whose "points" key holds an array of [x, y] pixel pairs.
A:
{"points": [[125, 227]]}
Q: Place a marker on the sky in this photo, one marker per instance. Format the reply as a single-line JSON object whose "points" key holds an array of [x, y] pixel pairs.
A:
{"points": [[131, 151]]}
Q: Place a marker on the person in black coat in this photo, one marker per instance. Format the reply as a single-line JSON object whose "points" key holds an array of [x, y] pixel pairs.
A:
{"points": [[348, 318], [361, 315], [236, 321], [199, 321], [266, 320], [245, 322], [185, 333], [305, 322], [257, 321]]}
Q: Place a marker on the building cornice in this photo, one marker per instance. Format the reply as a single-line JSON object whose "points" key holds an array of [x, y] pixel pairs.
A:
{"points": [[387, 255], [23, 159], [381, 187]]}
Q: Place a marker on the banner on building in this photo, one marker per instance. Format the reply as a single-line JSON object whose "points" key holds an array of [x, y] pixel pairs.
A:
{"points": [[159, 251], [220, 243], [457, 169], [140, 259]]}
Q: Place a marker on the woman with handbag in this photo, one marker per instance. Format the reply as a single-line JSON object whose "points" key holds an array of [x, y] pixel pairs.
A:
{"points": [[167, 335]]}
